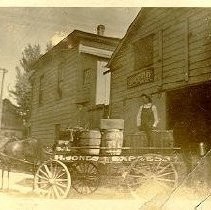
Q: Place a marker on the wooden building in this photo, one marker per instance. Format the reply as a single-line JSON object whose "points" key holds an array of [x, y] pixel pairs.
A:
{"points": [[11, 122], [69, 85], [166, 53]]}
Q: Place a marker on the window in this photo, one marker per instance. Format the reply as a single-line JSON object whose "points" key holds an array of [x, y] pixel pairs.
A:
{"points": [[103, 84], [86, 77], [41, 90], [143, 49], [60, 81]]}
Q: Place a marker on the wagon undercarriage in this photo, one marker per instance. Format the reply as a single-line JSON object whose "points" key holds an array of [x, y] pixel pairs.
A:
{"points": [[86, 173]]}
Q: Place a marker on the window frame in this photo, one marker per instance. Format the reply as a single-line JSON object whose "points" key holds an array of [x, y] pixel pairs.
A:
{"points": [[140, 47]]}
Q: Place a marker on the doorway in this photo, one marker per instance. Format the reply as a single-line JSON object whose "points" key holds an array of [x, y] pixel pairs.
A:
{"points": [[189, 114]]}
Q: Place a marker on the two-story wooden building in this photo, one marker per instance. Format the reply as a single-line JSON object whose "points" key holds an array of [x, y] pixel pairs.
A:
{"points": [[166, 53], [69, 85]]}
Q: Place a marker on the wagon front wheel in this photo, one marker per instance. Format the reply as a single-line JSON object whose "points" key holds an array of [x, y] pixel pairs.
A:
{"points": [[52, 180]]}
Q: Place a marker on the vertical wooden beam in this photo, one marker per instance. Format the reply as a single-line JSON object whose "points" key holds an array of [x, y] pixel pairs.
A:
{"points": [[160, 51], [186, 68]]}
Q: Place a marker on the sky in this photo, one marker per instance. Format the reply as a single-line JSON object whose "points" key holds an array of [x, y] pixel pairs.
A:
{"points": [[38, 25]]}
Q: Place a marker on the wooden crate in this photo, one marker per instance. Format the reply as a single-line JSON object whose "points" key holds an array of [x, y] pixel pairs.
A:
{"points": [[161, 139]]}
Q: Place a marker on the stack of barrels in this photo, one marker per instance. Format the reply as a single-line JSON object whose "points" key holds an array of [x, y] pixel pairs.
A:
{"points": [[109, 138]]}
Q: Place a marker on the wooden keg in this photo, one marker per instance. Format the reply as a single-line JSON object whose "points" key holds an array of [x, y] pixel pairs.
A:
{"points": [[90, 139], [113, 140]]}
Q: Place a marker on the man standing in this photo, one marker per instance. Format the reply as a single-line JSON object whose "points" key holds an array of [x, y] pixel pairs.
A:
{"points": [[147, 118]]}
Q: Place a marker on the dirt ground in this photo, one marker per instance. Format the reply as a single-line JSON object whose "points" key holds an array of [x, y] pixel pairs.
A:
{"points": [[193, 193], [188, 195]]}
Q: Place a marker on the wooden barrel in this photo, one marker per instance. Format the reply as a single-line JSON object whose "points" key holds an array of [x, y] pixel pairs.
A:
{"points": [[92, 139], [113, 140]]}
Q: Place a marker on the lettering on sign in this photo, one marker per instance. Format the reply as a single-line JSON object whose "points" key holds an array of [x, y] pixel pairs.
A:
{"points": [[140, 78], [110, 159]]}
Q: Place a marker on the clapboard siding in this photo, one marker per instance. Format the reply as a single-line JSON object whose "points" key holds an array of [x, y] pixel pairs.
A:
{"points": [[53, 110], [185, 47]]}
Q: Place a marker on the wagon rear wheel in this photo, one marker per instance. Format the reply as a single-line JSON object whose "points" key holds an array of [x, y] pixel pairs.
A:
{"points": [[151, 173], [85, 177], [52, 180]]}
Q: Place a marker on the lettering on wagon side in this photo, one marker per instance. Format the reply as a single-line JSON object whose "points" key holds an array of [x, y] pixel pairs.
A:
{"points": [[111, 158]]}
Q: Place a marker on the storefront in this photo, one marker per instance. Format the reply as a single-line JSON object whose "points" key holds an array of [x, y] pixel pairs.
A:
{"points": [[166, 54]]}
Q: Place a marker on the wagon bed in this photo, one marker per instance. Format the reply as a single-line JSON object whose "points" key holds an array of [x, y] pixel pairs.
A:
{"points": [[85, 172]]}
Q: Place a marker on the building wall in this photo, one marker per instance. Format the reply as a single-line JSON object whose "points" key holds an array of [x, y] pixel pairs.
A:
{"points": [[181, 57], [55, 111], [77, 107]]}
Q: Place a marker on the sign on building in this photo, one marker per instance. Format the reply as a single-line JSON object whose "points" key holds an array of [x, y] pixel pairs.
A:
{"points": [[140, 78]]}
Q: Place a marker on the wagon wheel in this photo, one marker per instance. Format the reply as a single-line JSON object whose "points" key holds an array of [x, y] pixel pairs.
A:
{"points": [[52, 179], [85, 177], [151, 173]]}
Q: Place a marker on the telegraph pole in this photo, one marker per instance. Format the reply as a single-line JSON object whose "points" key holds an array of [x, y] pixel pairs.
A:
{"points": [[4, 71]]}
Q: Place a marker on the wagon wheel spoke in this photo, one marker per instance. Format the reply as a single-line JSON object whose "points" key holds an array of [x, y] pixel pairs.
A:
{"points": [[62, 191], [49, 193], [158, 165], [44, 188], [61, 185], [42, 177], [48, 171], [165, 180], [60, 175], [53, 196], [166, 174], [141, 170], [46, 175], [43, 182], [164, 168], [61, 180], [56, 191], [78, 187], [56, 172]]}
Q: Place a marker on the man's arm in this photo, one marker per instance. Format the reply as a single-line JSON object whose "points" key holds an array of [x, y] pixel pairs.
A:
{"points": [[155, 113]]}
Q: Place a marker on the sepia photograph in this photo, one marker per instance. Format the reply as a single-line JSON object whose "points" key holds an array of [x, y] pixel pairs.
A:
{"points": [[105, 107]]}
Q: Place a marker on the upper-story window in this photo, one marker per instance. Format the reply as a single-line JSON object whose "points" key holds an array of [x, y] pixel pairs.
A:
{"points": [[143, 49], [60, 80], [41, 89], [103, 84], [86, 77]]}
